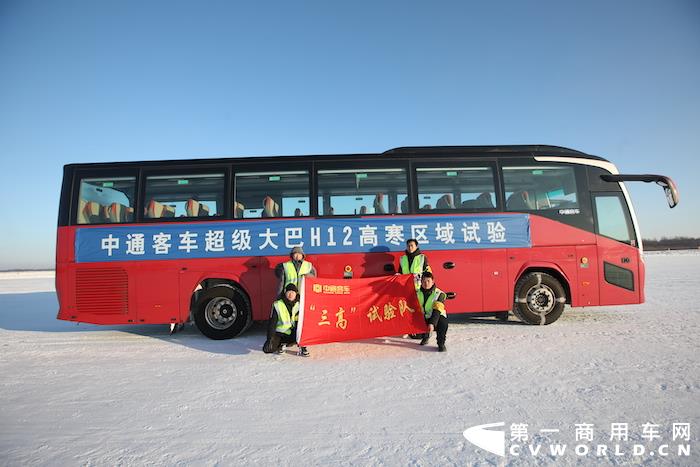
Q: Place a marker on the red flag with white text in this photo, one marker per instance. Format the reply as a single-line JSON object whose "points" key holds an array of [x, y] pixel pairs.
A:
{"points": [[336, 310]]}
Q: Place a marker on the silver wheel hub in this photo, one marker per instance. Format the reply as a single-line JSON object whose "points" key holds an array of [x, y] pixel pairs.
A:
{"points": [[220, 313], [541, 299]]}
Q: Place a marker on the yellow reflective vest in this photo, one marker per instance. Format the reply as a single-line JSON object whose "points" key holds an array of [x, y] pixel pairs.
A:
{"points": [[285, 321], [290, 273], [427, 304], [416, 265], [416, 268]]}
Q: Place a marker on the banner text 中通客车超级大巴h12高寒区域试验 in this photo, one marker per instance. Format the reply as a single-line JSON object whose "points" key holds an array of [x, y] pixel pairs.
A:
{"points": [[317, 236]]}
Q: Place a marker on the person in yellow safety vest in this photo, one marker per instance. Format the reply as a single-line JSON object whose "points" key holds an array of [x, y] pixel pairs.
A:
{"points": [[432, 303], [413, 262], [282, 325], [291, 272]]}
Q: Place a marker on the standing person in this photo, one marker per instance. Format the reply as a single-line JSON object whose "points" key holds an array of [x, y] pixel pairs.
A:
{"points": [[413, 262], [282, 325], [291, 272], [432, 303]]}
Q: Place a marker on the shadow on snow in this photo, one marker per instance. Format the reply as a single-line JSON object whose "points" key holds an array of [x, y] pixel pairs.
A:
{"points": [[37, 312]]}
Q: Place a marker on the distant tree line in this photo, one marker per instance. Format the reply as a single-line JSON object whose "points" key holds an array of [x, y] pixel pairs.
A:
{"points": [[675, 243]]}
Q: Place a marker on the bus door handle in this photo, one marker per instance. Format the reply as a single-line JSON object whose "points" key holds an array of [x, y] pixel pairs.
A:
{"points": [[451, 295], [448, 265], [389, 267]]}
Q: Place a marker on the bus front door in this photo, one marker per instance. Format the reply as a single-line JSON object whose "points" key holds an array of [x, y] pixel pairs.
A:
{"points": [[618, 256]]}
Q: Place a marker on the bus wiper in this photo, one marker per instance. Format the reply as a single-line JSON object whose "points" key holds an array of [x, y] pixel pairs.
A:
{"points": [[665, 182]]}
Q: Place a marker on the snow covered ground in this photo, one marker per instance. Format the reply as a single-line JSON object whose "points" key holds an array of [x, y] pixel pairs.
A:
{"points": [[89, 395]]}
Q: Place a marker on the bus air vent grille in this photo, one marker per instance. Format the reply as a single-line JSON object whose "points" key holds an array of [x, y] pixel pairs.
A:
{"points": [[102, 291]]}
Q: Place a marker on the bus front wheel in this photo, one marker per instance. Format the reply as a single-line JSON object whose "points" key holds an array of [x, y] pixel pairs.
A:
{"points": [[222, 312], [539, 298]]}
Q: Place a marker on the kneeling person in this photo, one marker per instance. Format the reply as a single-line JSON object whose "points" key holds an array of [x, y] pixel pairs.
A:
{"points": [[282, 326], [432, 302]]}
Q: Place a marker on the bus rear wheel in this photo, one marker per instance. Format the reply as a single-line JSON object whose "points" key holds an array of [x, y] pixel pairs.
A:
{"points": [[222, 312], [539, 299]]}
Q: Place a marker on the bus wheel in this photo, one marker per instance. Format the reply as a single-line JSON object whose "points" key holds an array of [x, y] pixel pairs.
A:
{"points": [[222, 312], [539, 298]]}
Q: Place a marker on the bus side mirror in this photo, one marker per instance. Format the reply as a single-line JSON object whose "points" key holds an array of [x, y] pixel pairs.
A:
{"points": [[671, 193], [666, 183]]}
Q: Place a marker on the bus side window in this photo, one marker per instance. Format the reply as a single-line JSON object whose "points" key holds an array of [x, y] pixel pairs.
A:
{"points": [[613, 217], [198, 195], [518, 201], [445, 202], [538, 188], [270, 207], [362, 191], [463, 188], [271, 194], [106, 200]]}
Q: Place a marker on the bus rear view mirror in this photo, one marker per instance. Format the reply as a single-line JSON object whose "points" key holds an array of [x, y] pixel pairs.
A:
{"points": [[666, 183], [671, 192]]}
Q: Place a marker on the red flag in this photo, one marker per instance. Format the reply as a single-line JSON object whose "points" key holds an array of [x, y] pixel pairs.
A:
{"points": [[336, 310]]}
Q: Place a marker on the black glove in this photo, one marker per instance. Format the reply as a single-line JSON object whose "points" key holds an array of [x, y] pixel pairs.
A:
{"points": [[272, 344]]}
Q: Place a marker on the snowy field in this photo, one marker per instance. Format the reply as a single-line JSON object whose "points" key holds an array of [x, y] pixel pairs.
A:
{"points": [[88, 395]]}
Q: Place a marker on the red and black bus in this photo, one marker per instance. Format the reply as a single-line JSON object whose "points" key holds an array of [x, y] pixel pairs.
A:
{"points": [[526, 229]]}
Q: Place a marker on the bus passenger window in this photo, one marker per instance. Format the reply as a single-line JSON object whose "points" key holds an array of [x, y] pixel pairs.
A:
{"points": [[518, 201], [464, 188], [536, 188], [271, 194], [238, 209], [613, 218], [445, 202], [270, 208], [343, 192], [106, 200], [404, 206], [184, 195]]}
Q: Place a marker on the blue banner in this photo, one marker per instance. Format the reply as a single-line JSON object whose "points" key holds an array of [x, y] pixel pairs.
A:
{"points": [[316, 236]]}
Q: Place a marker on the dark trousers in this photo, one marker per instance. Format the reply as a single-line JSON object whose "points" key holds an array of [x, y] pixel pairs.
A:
{"points": [[440, 324], [277, 339]]}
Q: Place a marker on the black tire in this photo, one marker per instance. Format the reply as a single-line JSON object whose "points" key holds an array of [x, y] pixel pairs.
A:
{"points": [[502, 316], [539, 299], [222, 312]]}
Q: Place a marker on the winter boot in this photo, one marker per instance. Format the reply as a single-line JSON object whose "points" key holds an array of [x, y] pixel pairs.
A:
{"points": [[426, 338]]}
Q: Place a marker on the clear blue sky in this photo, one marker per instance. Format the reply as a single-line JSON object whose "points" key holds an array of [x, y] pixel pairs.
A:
{"points": [[87, 81]]}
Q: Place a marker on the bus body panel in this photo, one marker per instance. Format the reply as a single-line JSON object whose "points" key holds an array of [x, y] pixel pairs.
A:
{"points": [[496, 287], [588, 293], [464, 280], [481, 280], [243, 272], [619, 273]]}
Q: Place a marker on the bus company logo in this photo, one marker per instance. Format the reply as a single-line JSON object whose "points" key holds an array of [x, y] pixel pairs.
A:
{"points": [[569, 211], [617, 442]]}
